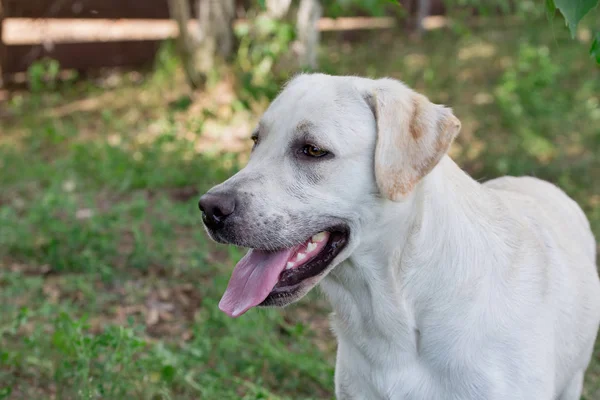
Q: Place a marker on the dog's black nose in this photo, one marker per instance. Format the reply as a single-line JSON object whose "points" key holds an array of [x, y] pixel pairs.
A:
{"points": [[216, 208]]}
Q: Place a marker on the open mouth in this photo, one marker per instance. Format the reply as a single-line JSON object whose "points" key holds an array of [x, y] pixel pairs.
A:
{"points": [[262, 277]]}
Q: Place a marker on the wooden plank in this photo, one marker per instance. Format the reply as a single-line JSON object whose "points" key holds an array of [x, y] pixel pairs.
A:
{"points": [[36, 31], [355, 23], [111, 9], [143, 9], [99, 45], [83, 56]]}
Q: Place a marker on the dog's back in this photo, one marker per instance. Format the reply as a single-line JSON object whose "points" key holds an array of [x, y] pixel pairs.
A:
{"points": [[562, 228], [560, 211]]}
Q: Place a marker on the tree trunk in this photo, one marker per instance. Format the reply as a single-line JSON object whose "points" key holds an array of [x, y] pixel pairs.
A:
{"points": [[278, 8], [186, 44], [216, 29], [214, 36], [309, 13], [423, 10]]}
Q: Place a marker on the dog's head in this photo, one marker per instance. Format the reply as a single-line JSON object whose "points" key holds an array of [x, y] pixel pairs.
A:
{"points": [[328, 152]]}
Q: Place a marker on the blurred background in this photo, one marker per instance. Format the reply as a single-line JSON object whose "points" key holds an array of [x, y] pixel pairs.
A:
{"points": [[115, 115]]}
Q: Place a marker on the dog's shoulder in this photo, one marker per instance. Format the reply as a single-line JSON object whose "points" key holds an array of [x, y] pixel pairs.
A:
{"points": [[546, 207]]}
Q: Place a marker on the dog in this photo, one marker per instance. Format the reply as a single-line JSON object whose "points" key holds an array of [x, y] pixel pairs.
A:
{"points": [[442, 287]]}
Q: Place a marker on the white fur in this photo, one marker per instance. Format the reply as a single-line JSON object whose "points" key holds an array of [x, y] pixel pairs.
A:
{"points": [[456, 290], [497, 280]]}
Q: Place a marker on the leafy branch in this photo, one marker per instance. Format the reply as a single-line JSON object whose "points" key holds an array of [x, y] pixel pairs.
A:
{"points": [[573, 12]]}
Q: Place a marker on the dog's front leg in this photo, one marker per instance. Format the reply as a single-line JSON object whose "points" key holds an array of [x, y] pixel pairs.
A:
{"points": [[346, 388]]}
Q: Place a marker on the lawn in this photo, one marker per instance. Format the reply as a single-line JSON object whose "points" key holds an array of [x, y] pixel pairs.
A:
{"points": [[108, 284]]}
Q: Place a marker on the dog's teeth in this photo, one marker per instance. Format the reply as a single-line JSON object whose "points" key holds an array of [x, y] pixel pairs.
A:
{"points": [[311, 246], [289, 265], [300, 256], [318, 237]]}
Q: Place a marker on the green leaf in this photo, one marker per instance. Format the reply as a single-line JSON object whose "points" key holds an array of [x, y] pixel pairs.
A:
{"points": [[595, 48], [5, 392], [550, 8], [574, 11], [168, 373]]}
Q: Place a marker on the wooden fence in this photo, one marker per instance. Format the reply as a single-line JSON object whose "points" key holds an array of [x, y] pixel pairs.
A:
{"points": [[105, 33], [87, 54]]}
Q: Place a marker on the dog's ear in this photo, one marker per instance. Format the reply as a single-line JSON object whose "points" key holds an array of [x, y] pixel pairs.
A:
{"points": [[413, 134]]}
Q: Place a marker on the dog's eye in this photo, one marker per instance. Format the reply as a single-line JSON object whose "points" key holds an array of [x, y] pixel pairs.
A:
{"points": [[255, 140], [314, 151]]}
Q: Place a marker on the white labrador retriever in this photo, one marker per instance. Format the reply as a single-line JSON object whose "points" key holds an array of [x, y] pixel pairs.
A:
{"points": [[442, 287]]}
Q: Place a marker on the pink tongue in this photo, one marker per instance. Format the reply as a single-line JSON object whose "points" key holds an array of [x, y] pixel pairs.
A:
{"points": [[252, 280]]}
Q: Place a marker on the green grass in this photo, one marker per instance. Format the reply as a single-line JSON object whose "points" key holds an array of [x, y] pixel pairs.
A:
{"points": [[109, 286]]}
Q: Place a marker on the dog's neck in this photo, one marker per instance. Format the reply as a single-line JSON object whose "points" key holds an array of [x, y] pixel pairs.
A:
{"points": [[438, 233]]}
